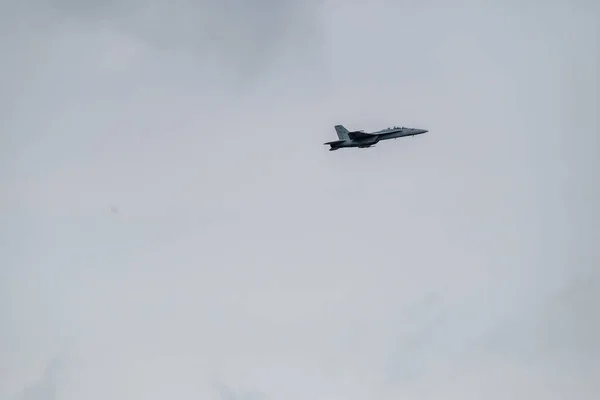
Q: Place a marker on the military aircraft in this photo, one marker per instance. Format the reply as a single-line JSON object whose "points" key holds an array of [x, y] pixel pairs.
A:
{"points": [[362, 139]]}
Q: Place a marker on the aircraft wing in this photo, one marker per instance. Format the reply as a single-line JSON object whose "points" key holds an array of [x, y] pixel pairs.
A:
{"points": [[358, 135]]}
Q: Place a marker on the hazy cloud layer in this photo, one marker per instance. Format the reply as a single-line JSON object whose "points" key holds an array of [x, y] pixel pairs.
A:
{"points": [[239, 36], [45, 387], [245, 260]]}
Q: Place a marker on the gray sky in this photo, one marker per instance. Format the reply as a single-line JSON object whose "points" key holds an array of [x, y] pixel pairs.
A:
{"points": [[244, 261]]}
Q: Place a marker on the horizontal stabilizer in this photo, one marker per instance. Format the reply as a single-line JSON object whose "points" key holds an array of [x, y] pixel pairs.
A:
{"points": [[335, 142]]}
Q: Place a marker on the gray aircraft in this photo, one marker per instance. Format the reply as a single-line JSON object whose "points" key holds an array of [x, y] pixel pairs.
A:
{"points": [[363, 139]]}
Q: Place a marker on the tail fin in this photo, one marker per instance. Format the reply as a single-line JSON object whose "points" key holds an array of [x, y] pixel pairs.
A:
{"points": [[342, 132]]}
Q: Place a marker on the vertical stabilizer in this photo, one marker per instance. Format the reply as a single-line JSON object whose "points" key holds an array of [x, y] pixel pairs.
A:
{"points": [[341, 132]]}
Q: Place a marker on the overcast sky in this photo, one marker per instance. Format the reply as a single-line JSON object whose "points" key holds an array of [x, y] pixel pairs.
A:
{"points": [[172, 227]]}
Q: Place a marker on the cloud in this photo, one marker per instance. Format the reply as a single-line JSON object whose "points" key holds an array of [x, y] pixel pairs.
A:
{"points": [[46, 387], [226, 392], [445, 265], [242, 39]]}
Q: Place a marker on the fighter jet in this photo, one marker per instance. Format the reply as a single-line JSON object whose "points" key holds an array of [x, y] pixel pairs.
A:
{"points": [[362, 139]]}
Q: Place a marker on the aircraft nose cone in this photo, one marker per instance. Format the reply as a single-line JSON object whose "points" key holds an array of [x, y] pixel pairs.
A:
{"points": [[420, 131]]}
